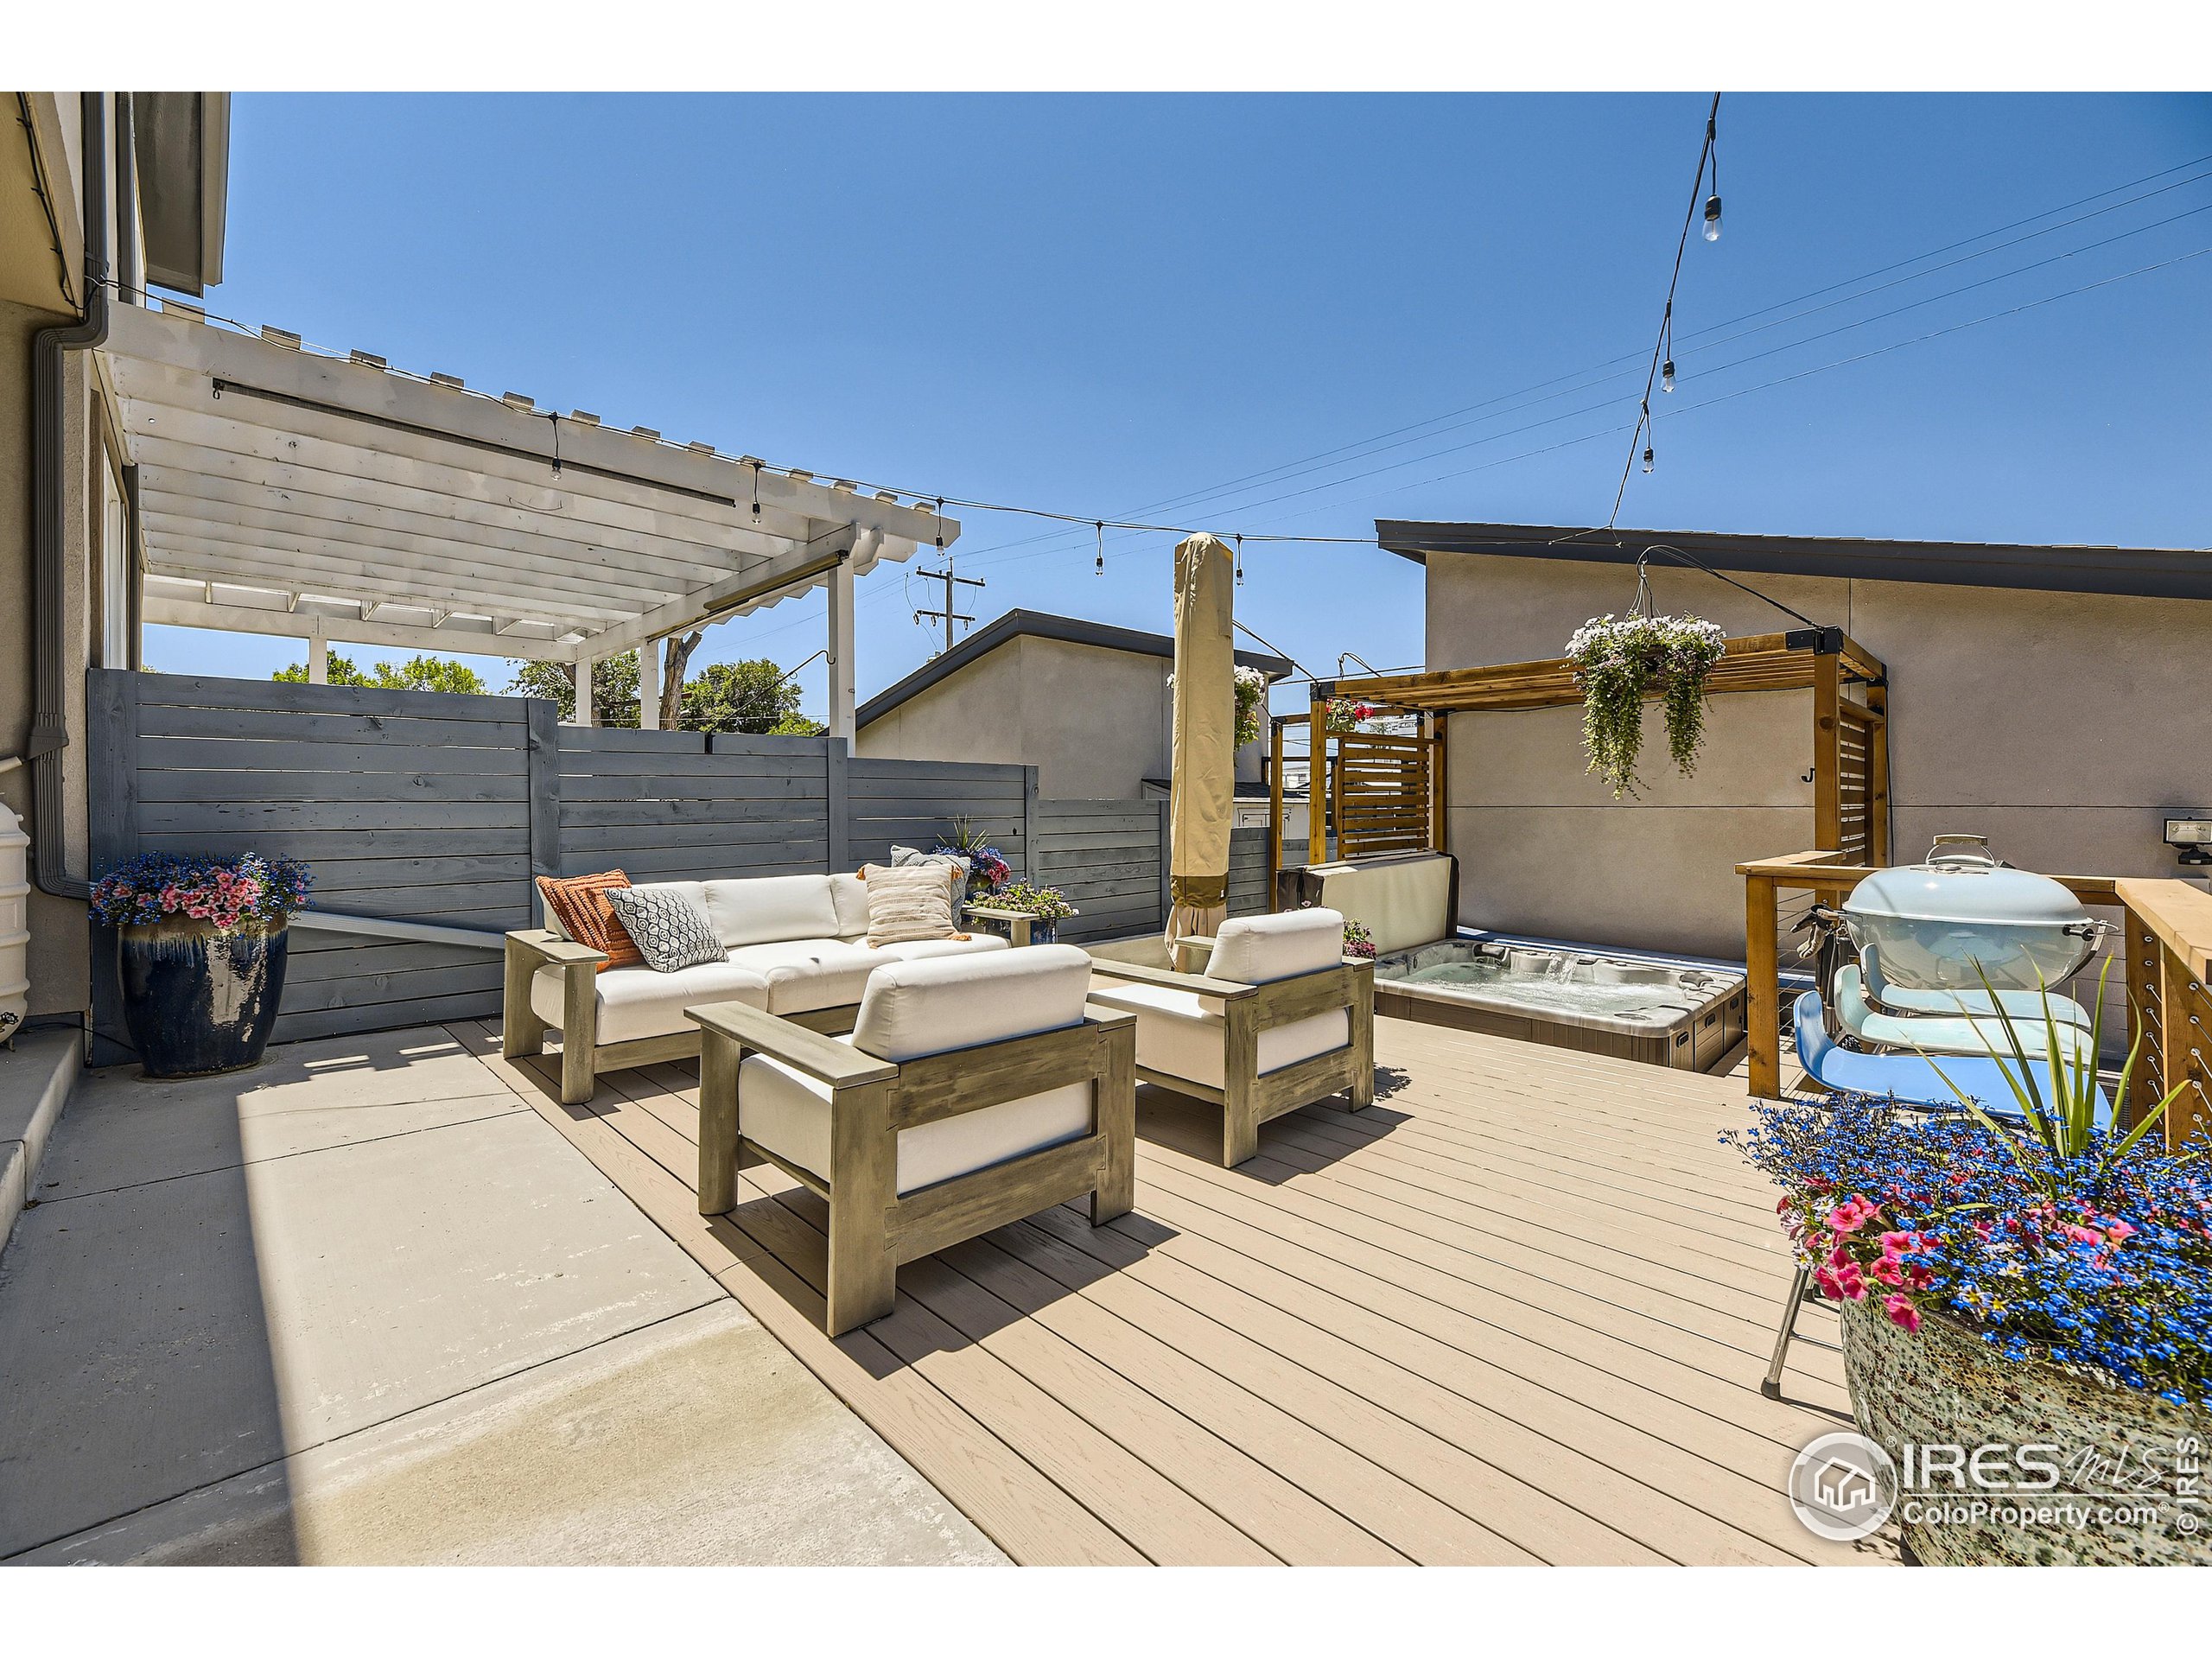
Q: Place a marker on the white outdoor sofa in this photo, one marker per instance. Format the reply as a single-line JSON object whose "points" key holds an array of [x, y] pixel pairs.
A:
{"points": [[1278, 1018], [797, 949]]}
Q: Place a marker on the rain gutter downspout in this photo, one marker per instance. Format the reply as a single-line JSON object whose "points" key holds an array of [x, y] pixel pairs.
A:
{"points": [[49, 616]]}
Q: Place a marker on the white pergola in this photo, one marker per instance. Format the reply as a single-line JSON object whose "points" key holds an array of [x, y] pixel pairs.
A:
{"points": [[285, 492]]}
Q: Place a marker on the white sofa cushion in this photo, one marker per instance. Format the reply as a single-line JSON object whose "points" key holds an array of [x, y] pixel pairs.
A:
{"points": [[1255, 950], [1182, 1034], [637, 1002], [849, 897], [788, 1113], [804, 975], [936, 1005], [756, 909]]}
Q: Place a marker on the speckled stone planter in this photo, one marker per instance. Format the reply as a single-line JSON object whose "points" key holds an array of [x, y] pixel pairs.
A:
{"points": [[1945, 1387]]}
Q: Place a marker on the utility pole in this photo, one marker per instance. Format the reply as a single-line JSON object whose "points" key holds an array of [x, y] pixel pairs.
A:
{"points": [[948, 614]]}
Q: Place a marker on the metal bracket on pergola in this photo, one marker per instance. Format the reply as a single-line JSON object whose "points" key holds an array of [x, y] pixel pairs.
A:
{"points": [[1850, 733], [283, 492]]}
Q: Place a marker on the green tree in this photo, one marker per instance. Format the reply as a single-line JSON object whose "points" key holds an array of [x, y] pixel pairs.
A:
{"points": [[613, 688], [417, 674], [753, 695]]}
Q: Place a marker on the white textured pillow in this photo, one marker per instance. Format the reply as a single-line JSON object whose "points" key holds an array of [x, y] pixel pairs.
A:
{"points": [[912, 901], [671, 929]]}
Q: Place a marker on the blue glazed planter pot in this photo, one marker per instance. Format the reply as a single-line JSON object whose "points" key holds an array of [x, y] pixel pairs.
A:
{"points": [[197, 1001], [1044, 932]]}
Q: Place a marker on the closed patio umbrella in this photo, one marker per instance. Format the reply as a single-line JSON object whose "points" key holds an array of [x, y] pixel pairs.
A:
{"points": [[1203, 783]]}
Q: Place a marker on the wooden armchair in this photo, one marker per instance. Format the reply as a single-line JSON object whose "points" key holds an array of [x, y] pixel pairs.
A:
{"points": [[1279, 1017], [973, 1091]]}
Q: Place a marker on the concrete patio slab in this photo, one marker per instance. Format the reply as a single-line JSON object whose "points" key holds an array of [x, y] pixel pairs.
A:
{"points": [[699, 1440], [371, 1238], [305, 1098]]}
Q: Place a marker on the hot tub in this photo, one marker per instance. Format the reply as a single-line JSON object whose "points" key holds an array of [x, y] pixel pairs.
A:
{"points": [[1663, 1014]]}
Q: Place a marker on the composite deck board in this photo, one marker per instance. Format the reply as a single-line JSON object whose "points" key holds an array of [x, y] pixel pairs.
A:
{"points": [[1517, 1311]]}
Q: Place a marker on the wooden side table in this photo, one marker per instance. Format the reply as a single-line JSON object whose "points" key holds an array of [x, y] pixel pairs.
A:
{"points": [[1018, 926]]}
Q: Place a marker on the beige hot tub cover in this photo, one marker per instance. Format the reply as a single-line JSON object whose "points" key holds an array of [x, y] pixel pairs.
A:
{"points": [[1204, 782]]}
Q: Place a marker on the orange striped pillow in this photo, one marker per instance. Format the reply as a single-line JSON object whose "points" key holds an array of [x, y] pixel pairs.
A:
{"points": [[579, 902]]}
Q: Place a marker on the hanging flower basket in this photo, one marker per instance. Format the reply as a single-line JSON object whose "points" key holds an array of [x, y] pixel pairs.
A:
{"points": [[1343, 715], [1251, 703], [1619, 662]]}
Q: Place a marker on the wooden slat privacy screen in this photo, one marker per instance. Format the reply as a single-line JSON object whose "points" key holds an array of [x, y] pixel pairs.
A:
{"points": [[437, 807], [1379, 793]]}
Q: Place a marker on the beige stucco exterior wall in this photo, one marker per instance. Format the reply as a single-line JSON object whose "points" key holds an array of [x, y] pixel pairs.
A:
{"points": [[31, 299], [2065, 725], [1095, 721]]}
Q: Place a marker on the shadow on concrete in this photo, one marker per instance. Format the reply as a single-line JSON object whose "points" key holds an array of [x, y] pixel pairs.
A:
{"points": [[134, 1342]]}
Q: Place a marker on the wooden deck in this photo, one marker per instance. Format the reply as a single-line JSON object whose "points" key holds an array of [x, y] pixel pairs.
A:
{"points": [[1517, 1312]]}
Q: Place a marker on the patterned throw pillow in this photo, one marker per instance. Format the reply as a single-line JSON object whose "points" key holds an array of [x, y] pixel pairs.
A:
{"points": [[672, 930], [579, 902], [909, 901]]}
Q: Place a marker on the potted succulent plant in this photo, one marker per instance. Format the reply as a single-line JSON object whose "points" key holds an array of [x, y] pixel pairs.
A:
{"points": [[2033, 1284], [201, 948], [1047, 907], [987, 866]]}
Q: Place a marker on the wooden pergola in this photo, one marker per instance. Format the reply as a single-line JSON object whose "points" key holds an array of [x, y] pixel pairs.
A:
{"points": [[1386, 794], [285, 491]]}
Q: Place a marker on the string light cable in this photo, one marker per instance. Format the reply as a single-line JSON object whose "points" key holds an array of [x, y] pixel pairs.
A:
{"points": [[939, 503], [1704, 157]]}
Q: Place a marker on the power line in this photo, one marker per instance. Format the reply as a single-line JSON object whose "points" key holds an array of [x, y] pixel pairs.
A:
{"points": [[1369, 445]]}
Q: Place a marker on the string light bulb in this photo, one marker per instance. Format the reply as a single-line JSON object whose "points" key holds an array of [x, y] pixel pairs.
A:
{"points": [[1240, 561], [1099, 568], [1712, 217], [1649, 460], [1667, 376]]}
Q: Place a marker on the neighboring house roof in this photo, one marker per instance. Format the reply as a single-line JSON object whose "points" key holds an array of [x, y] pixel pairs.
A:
{"points": [[2153, 573], [1040, 625]]}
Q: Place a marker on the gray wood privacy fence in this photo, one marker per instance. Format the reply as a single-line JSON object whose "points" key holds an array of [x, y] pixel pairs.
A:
{"points": [[440, 808]]}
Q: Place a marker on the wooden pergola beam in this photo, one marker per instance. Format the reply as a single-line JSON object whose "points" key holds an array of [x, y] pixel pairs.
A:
{"points": [[1824, 661]]}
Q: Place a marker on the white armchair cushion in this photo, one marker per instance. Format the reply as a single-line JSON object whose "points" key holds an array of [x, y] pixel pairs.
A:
{"points": [[637, 1002], [1255, 950], [1182, 1034], [788, 1112], [938, 1004], [760, 909], [918, 1008]]}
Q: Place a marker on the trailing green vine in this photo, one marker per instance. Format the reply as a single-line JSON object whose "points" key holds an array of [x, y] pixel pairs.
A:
{"points": [[1619, 661]]}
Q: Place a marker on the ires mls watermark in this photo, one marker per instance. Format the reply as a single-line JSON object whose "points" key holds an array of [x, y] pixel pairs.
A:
{"points": [[1844, 1486]]}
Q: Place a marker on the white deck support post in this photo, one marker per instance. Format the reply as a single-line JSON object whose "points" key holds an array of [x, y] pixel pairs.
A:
{"points": [[649, 685], [318, 656], [842, 701], [580, 673]]}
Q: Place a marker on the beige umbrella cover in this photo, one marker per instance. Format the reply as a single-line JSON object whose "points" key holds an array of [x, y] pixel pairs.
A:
{"points": [[1203, 784]]}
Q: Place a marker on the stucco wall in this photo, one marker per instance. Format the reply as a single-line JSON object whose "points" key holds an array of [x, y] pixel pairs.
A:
{"points": [[2065, 725], [971, 716], [1095, 721]]}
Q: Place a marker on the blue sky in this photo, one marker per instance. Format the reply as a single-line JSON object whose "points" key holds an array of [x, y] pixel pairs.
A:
{"points": [[1098, 304]]}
